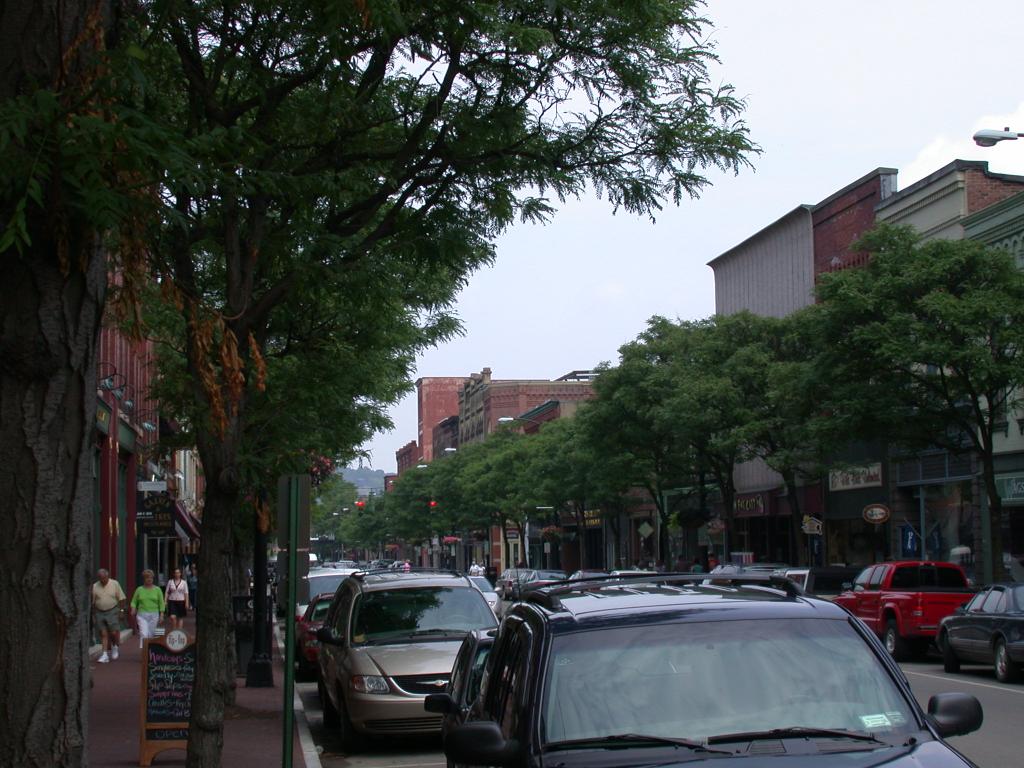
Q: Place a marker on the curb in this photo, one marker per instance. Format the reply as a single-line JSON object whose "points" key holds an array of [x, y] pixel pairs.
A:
{"points": [[309, 750]]}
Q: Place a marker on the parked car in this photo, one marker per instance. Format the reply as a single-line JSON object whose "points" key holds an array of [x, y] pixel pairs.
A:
{"points": [[987, 630], [389, 639], [514, 580], [823, 581], [464, 684], [577, 575], [670, 669], [489, 593], [307, 647], [903, 602], [324, 580]]}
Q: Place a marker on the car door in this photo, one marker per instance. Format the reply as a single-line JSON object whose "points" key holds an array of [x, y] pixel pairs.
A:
{"points": [[972, 643], [870, 598], [993, 612], [958, 626], [505, 691], [335, 658]]}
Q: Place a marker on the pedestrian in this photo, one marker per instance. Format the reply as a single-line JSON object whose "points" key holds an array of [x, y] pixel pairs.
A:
{"points": [[192, 579], [712, 562], [147, 606], [177, 599], [108, 605], [406, 566]]}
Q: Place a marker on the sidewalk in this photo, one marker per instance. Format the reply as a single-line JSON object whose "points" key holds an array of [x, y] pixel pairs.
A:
{"points": [[253, 727]]}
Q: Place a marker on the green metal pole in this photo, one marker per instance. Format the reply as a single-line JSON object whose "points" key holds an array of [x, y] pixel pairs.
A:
{"points": [[289, 645]]}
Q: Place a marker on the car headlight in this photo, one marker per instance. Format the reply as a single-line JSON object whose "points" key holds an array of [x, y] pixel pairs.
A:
{"points": [[370, 684]]}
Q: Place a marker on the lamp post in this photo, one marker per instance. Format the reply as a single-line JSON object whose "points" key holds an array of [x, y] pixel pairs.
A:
{"points": [[547, 553], [989, 138]]}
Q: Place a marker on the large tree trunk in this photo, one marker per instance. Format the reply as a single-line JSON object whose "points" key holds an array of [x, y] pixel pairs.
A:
{"points": [[212, 689], [47, 411], [51, 302]]}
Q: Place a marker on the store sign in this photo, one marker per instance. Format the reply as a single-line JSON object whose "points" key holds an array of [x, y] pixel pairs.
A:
{"points": [[103, 418], [1011, 487], [811, 526], [750, 505], [511, 534], [592, 518], [865, 476], [876, 514], [152, 485], [155, 515]]}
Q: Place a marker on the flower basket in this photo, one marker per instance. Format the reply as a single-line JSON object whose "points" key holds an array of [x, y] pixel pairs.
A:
{"points": [[552, 533], [450, 540]]}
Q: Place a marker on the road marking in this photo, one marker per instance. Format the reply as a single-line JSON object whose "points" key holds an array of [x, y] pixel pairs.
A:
{"points": [[1006, 689]]}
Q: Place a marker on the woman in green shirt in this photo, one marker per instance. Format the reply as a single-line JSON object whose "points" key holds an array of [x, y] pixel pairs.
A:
{"points": [[147, 606]]}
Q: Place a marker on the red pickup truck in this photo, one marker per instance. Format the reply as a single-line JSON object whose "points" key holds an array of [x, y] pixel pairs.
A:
{"points": [[904, 601]]}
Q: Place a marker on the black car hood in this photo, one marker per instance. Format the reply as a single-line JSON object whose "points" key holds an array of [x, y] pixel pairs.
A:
{"points": [[928, 754]]}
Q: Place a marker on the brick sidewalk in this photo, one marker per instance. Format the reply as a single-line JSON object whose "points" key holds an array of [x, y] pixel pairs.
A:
{"points": [[252, 727]]}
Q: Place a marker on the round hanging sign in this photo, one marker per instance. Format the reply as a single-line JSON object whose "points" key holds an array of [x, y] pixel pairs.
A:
{"points": [[876, 513]]}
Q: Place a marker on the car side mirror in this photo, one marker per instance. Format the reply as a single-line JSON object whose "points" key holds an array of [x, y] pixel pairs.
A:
{"points": [[955, 714], [480, 742], [327, 636], [439, 703], [847, 585]]}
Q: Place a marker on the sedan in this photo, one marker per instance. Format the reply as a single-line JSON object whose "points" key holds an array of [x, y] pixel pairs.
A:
{"points": [[490, 594], [987, 630], [307, 647]]}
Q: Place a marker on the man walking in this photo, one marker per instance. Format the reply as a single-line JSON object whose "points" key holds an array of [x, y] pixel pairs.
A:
{"points": [[108, 604]]}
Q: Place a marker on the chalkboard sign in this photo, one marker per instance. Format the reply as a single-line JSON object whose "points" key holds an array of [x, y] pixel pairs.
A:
{"points": [[168, 672]]}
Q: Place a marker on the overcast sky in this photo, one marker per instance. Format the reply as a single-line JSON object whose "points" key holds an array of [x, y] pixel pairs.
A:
{"points": [[834, 90]]}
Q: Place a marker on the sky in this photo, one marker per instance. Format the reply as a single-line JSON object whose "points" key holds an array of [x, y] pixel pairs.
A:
{"points": [[833, 91]]}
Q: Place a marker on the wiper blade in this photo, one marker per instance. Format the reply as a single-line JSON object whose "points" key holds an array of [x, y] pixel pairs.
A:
{"points": [[634, 738], [444, 632], [794, 732]]}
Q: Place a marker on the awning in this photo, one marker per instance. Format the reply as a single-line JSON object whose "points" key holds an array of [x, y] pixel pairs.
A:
{"points": [[186, 525]]}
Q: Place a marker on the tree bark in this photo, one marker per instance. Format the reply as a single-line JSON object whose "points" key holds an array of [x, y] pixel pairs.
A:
{"points": [[50, 324], [212, 690]]}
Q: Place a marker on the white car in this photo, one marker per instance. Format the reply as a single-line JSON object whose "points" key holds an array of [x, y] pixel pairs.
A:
{"points": [[490, 594]]}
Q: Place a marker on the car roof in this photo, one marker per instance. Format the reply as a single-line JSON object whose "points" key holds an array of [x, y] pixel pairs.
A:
{"points": [[372, 581], [575, 605]]}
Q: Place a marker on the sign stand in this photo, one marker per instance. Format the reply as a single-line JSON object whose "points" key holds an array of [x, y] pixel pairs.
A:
{"points": [[168, 673]]}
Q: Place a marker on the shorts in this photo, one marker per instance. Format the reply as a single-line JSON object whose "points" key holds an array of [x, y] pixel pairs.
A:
{"points": [[109, 620], [176, 608]]}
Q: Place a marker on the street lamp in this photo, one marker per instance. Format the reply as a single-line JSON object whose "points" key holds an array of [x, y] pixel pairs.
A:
{"points": [[449, 450], [989, 138]]}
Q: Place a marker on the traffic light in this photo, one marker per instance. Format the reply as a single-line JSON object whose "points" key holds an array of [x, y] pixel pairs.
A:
{"points": [[360, 505], [433, 504]]}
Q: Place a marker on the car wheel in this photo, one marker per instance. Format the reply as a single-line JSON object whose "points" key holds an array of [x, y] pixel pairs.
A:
{"points": [[330, 713], [950, 663], [894, 644], [351, 740], [1006, 670]]}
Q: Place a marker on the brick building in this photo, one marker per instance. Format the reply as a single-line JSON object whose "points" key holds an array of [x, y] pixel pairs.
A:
{"points": [[437, 399], [407, 457]]}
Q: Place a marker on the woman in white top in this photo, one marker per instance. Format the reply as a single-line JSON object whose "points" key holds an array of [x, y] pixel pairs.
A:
{"points": [[177, 599]]}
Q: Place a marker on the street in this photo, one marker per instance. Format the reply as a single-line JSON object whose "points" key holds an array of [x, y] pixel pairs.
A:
{"points": [[996, 745]]}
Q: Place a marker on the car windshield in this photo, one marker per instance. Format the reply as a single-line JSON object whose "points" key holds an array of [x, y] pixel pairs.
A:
{"points": [[481, 583], [327, 582], [548, 576], [704, 679], [396, 613]]}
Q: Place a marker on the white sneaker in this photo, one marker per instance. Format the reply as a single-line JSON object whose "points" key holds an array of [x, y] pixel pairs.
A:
{"points": [[114, 653], [103, 659]]}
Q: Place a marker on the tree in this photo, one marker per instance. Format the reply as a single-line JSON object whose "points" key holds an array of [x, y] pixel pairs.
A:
{"points": [[67, 194], [925, 345]]}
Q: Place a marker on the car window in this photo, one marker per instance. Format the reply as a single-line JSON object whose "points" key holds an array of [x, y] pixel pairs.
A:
{"points": [[876, 576], [976, 601], [319, 612], [906, 577], [328, 582], [863, 576], [995, 602], [507, 675], [339, 619], [695, 680], [481, 583], [798, 577], [459, 669], [1018, 593], [392, 613], [476, 674], [943, 578]]}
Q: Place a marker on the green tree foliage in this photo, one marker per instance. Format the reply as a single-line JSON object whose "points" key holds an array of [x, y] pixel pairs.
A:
{"points": [[925, 346], [343, 167], [330, 499]]}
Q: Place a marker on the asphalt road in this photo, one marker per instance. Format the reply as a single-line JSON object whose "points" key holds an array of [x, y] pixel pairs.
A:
{"points": [[997, 745]]}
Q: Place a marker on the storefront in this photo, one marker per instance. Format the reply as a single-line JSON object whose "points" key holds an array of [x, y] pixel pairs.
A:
{"points": [[852, 536]]}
